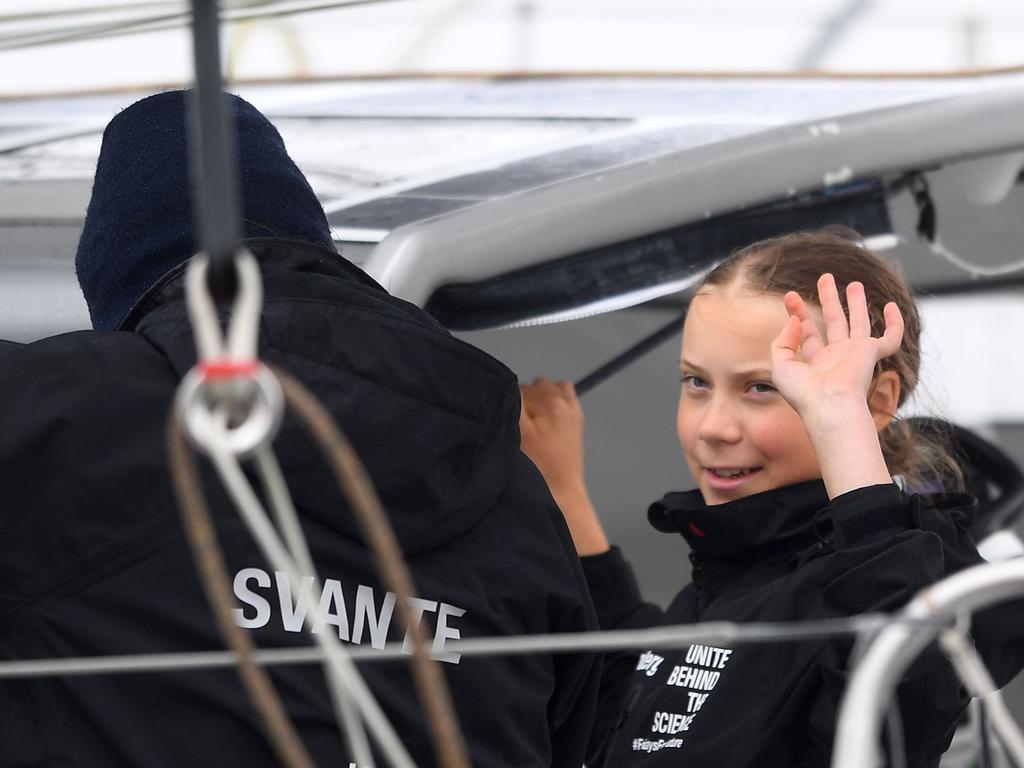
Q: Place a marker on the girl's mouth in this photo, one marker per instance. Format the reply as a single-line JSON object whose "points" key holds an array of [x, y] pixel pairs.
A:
{"points": [[729, 478]]}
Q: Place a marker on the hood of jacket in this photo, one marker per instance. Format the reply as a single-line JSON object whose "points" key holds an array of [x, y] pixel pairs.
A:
{"points": [[434, 420], [392, 375], [139, 223]]}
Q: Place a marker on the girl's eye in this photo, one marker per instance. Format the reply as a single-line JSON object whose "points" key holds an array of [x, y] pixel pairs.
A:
{"points": [[693, 382], [761, 388]]}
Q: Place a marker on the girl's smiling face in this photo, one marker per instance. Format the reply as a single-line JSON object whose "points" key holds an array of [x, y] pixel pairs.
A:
{"points": [[739, 435]]}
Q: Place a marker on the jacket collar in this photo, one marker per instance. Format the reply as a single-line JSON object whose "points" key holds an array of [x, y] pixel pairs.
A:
{"points": [[273, 255], [779, 521]]}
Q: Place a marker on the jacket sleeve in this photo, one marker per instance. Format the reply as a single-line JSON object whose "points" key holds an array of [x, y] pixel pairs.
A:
{"points": [[572, 708], [882, 558], [619, 605]]}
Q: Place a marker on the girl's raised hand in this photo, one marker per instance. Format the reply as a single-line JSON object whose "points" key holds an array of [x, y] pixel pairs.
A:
{"points": [[827, 380], [820, 375]]}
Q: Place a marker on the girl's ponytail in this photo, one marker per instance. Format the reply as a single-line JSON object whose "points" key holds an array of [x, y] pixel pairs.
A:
{"points": [[918, 450]]}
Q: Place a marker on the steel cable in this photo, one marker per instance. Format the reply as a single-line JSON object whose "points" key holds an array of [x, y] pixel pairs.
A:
{"points": [[351, 476], [345, 684], [668, 637], [973, 673], [287, 519], [159, 22], [209, 558]]}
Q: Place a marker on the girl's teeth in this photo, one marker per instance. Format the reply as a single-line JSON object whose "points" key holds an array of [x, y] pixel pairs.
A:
{"points": [[731, 473]]}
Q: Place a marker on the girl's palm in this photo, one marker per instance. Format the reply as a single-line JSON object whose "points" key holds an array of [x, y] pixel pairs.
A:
{"points": [[809, 370]]}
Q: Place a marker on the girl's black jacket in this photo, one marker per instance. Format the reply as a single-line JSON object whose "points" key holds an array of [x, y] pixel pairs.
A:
{"points": [[93, 560], [784, 555]]}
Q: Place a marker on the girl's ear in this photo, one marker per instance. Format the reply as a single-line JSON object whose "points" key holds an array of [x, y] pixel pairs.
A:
{"points": [[884, 398]]}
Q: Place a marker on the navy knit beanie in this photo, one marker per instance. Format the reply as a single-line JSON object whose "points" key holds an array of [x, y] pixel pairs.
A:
{"points": [[139, 222]]}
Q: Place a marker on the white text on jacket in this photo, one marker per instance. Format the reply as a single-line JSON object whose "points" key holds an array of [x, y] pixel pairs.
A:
{"points": [[649, 662], [368, 614]]}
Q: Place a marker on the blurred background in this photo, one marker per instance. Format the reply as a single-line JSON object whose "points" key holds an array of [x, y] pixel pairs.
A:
{"points": [[310, 38]]}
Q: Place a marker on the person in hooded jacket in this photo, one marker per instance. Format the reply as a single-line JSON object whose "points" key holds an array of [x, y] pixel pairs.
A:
{"points": [[786, 420], [93, 560]]}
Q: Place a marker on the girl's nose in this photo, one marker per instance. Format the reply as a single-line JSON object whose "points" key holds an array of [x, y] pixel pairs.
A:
{"points": [[718, 423]]}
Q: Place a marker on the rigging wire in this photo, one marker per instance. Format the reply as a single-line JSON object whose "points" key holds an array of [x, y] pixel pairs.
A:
{"points": [[166, 21], [35, 38], [230, 379], [230, 387], [213, 570], [352, 478], [973, 674], [343, 461], [276, 490], [89, 10], [976, 678], [345, 681], [668, 637], [213, 164], [253, 396]]}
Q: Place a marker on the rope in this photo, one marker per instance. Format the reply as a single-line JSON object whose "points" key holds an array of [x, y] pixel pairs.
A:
{"points": [[450, 747], [345, 684], [287, 519], [209, 560], [229, 380]]}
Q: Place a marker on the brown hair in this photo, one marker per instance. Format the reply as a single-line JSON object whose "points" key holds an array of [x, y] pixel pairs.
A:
{"points": [[918, 452]]}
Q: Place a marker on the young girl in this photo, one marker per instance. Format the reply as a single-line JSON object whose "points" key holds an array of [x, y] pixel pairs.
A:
{"points": [[786, 420]]}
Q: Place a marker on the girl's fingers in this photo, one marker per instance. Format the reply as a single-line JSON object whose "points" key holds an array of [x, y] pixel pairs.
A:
{"points": [[786, 344], [856, 301], [832, 313], [890, 342], [810, 339]]}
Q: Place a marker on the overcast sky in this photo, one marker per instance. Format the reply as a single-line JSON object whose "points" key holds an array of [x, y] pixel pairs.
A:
{"points": [[514, 35]]}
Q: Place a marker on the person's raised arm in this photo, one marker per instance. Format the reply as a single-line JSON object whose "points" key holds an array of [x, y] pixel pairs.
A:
{"points": [[828, 380], [551, 426]]}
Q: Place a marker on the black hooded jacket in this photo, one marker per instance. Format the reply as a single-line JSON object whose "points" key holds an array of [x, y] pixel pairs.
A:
{"points": [[784, 555], [93, 561]]}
